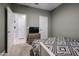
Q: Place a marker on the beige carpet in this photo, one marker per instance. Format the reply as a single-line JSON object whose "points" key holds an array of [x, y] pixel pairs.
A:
{"points": [[20, 50]]}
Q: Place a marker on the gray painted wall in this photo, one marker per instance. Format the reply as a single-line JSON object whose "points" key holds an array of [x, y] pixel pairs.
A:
{"points": [[33, 15], [2, 26], [65, 21]]}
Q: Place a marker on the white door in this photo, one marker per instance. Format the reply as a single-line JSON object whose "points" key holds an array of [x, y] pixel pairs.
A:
{"points": [[43, 26], [10, 24], [20, 28]]}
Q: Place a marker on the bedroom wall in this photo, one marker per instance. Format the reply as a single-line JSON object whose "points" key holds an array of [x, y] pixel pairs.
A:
{"points": [[65, 21], [33, 15], [2, 26]]}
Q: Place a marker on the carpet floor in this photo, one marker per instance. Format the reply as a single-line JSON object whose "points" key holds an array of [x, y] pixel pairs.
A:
{"points": [[19, 50]]}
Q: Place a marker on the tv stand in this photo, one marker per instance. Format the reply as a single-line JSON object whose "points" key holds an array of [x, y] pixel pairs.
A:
{"points": [[32, 36]]}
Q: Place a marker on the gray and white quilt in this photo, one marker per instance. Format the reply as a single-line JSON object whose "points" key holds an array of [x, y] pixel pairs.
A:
{"points": [[60, 47]]}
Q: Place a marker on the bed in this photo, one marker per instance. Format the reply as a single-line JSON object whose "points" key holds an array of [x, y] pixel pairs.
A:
{"points": [[56, 46]]}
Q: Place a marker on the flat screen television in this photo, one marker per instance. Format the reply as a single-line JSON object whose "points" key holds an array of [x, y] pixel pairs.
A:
{"points": [[33, 29]]}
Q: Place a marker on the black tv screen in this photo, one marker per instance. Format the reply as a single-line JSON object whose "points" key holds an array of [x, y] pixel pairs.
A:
{"points": [[34, 30]]}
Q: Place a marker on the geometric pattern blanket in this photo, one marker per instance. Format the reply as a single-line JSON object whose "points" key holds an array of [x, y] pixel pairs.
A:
{"points": [[60, 46]]}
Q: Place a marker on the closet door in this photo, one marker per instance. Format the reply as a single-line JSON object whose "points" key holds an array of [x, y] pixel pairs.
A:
{"points": [[20, 28], [43, 26]]}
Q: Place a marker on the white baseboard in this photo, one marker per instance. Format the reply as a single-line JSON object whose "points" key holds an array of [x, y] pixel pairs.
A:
{"points": [[1, 54]]}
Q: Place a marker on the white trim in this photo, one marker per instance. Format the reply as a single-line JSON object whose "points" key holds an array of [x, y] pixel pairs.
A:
{"points": [[1, 54], [46, 49]]}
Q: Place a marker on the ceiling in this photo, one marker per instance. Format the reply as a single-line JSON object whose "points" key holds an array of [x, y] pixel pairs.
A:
{"points": [[44, 6]]}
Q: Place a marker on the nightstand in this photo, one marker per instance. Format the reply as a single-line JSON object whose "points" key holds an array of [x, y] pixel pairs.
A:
{"points": [[32, 36]]}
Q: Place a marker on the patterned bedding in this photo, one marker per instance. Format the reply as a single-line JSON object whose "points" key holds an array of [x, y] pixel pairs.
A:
{"points": [[59, 46]]}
